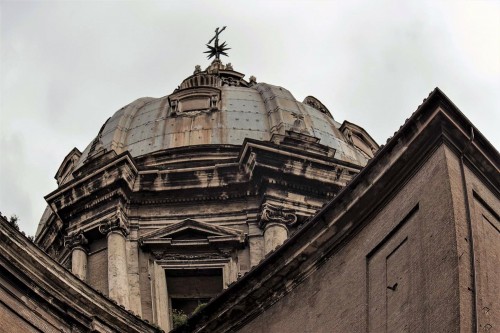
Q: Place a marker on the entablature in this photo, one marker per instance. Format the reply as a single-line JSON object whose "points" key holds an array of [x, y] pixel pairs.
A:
{"points": [[120, 172]]}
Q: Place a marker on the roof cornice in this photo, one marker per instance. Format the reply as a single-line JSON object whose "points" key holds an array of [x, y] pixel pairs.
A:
{"points": [[38, 272]]}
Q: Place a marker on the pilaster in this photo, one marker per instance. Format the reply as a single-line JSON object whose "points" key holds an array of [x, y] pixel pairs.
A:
{"points": [[255, 244], [161, 299], [133, 272]]}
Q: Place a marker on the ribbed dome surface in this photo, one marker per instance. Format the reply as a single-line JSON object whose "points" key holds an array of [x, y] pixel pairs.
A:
{"points": [[202, 125], [236, 111]]}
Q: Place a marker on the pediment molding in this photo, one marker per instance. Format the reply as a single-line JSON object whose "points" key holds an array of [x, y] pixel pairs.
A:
{"points": [[201, 233], [67, 166]]}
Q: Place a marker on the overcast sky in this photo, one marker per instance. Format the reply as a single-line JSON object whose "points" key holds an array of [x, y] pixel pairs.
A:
{"points": [[68, 66]]}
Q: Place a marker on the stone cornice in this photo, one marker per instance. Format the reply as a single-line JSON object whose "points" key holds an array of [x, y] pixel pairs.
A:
{"points": [[251, 144], [79, 187], [122, 174], [120, 179]]}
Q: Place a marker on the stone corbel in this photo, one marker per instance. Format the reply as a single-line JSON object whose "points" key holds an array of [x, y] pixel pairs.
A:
{"points": [[276, 214], [77, 239]]}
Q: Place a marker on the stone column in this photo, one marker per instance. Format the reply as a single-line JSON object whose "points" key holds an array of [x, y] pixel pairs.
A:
{"points": [[275, 221], [77, 243], [117, 261], [275, 234]]}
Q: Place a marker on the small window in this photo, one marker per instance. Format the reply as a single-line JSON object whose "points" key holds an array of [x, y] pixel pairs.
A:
{"points": [[190, 288]]}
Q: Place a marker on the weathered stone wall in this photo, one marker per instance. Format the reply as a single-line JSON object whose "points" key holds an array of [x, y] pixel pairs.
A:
{"points": [[398, 274]]}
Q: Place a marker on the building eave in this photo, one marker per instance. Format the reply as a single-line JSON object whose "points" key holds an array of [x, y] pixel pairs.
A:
{"points": [[64, 293]]}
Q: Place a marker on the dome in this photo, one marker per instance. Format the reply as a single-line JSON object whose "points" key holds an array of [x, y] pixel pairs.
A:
{"points": [[198, 186], [218, 107], [213, 120]]}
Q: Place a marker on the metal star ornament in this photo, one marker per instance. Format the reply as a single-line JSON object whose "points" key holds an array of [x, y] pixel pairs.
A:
{"points": [[216, 50]]}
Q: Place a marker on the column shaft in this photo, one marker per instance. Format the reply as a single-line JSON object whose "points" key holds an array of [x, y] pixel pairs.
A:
{"points": [[79, 262], [117, 268], [275, 234]]}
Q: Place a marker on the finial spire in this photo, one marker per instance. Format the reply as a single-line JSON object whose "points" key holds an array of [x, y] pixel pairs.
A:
{"points": [[217, 49]]}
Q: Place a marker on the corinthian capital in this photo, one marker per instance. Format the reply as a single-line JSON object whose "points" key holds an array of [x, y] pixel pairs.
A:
{"points": [[76, 239], [114, 224], [276, 214]]}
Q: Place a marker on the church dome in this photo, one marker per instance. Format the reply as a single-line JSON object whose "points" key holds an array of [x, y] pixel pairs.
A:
{"points": [[218, 106], [196, 187]]}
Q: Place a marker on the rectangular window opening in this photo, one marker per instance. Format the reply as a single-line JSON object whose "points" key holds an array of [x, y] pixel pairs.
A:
{"points": [[191, 287]]}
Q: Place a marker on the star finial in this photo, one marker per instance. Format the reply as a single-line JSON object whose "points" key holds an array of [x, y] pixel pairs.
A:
{"points": [[216, 50]]}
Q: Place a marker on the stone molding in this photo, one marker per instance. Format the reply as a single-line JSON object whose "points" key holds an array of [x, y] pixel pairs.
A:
{"points": [[315, 103], [76, 239], [114, 224], [277, 224], [209, 234], [192, 101], [276, 215], [165, 255]]}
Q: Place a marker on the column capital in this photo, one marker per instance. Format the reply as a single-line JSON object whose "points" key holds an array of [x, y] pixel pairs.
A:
{"points": [[76, 239], [115, 224], [273, 214]]}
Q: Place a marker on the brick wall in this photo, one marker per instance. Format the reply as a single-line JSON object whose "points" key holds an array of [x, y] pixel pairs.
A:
{"points": [[398, 274]]}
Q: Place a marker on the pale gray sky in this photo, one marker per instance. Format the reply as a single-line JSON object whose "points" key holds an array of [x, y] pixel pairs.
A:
{"points": [[68, 66]]}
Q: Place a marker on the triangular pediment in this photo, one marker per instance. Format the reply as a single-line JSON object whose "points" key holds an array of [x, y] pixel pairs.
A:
{"points": [[190, 231]]}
